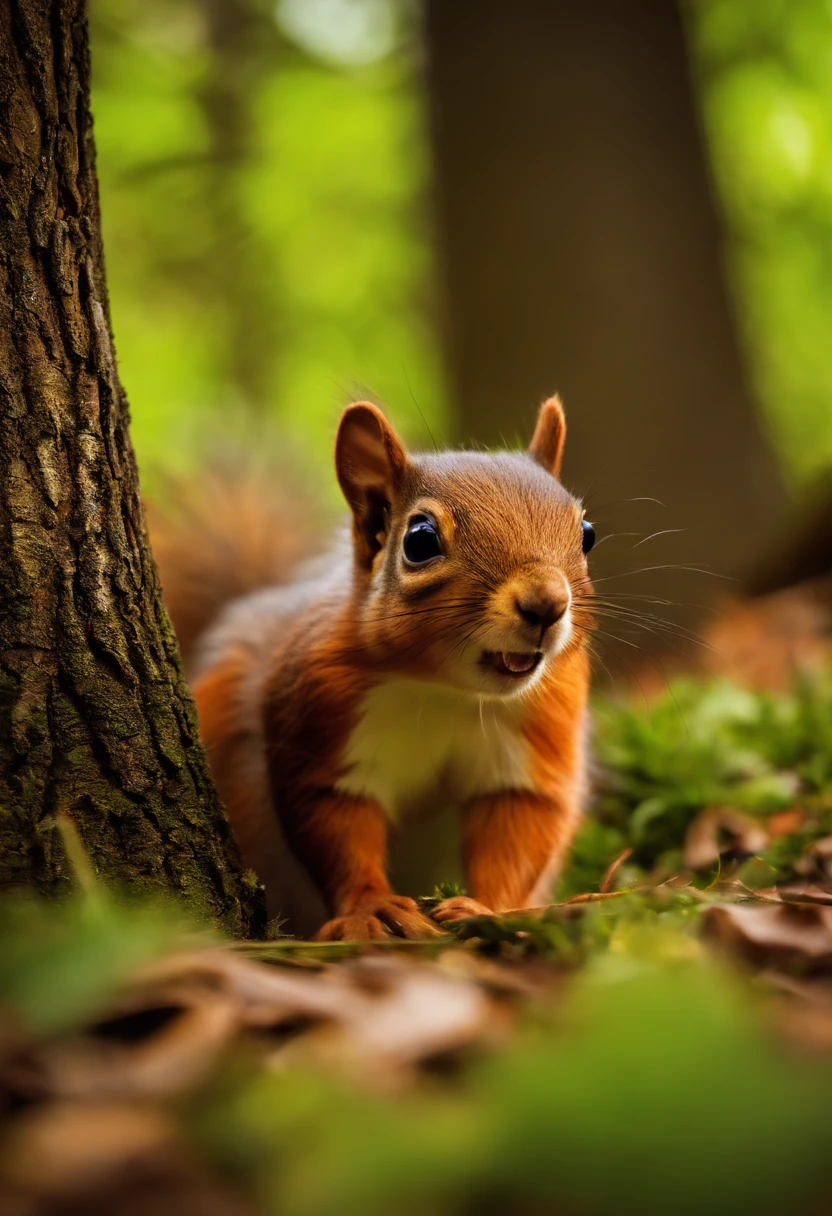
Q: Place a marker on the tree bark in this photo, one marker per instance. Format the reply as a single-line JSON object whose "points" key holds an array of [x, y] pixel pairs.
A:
{"points": [[581, 252], [96, 722]]}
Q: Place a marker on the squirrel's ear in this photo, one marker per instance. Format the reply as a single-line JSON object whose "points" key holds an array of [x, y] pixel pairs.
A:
{"points": [[549, 435], [370, 461]]}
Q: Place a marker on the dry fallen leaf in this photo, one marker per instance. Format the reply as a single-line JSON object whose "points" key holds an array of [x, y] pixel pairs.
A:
{"points": [[703, 841], [789, 935], [149, 1044], [411, 1014], [785, 822], [103, 1158], [816, 861], [822, 847], [380, 1015], [66, 1146], [805, 892]]}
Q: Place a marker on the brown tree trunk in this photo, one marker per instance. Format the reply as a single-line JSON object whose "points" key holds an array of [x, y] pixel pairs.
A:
{"points": [[96, 722], [242, 45], [581, 253]]}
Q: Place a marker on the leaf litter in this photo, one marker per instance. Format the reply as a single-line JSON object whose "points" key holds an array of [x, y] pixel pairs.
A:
{"points": [[660, 1035]]}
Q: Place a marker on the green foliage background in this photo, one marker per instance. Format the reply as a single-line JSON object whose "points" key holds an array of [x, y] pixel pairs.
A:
{"points": [[293, 272], [279, 277], [765, 73]]}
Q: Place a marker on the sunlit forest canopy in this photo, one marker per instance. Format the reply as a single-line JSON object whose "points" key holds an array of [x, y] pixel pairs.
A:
{"points": [[265, 180]]}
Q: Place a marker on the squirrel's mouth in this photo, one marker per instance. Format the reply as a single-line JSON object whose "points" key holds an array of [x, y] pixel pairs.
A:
{"points": [[511, 663]]}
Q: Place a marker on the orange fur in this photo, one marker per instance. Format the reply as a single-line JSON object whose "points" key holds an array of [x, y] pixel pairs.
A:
{"points": [[286, 681], [510, 840], [223, 535], [515, 842]]}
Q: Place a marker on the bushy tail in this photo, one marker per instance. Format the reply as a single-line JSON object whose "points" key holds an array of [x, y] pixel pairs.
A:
{"points": [[221, 534]]}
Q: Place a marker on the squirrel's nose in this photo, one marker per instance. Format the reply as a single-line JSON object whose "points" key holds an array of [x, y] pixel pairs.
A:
{"points": [[542, 606]]}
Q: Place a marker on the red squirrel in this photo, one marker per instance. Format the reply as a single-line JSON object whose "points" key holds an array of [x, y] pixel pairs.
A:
{"points": [[439, 656]]}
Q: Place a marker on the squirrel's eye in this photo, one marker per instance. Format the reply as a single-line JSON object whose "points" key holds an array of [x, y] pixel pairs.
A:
{"points": [[588, 536], [421, 542]]}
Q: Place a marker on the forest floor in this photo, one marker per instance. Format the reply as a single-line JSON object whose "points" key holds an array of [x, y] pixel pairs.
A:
{"points": [[660, 1038]]}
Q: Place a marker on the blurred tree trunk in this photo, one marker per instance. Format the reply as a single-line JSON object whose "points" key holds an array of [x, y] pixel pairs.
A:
{"points": [[96, 722], [581, 253], [243, 47]]}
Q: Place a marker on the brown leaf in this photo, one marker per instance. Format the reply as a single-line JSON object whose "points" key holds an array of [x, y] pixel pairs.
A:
{"points": [[69, 1145], [187, 1030], [99, 1159], [785, 822], [703, 844], [497, 977], [423, 1011], [805, 892], [822, 847], [781, 934], [379, 1013], [820, 858]]}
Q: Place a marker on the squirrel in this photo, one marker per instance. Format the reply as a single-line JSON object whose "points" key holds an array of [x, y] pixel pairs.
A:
{"points": [[438, 655]]}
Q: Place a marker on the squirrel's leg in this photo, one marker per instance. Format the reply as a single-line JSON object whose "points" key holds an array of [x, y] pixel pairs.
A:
{"points": [[512, 843], [342, 841]]}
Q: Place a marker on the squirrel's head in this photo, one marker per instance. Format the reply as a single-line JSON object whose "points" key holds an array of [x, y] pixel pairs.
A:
{"points": [[470, 566]]}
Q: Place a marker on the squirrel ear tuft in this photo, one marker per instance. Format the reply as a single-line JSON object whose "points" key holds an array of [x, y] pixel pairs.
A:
{"points": [[370, 461], [549, 436]]}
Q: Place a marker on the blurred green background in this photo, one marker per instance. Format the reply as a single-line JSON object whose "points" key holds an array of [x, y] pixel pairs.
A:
{"points": [[262, 172], [267, 174], [764, 69]]}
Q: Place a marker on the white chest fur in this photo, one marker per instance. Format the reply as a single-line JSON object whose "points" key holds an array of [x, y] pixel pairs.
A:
{"points": [[418, 748]]}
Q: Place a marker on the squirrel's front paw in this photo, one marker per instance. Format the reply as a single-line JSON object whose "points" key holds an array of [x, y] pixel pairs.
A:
{"points": [[459, 907], [402, 916], [358, 927], [378, 918]]}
